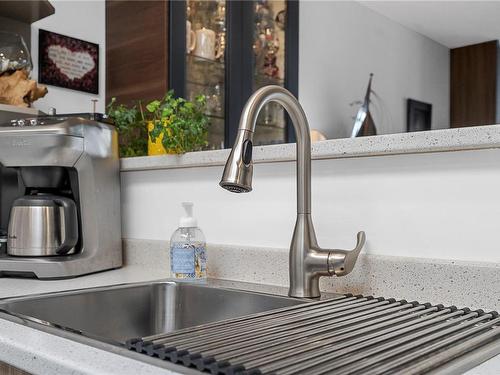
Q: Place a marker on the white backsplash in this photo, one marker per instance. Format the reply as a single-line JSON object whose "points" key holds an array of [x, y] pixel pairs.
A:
{"points": [[439, 205]]}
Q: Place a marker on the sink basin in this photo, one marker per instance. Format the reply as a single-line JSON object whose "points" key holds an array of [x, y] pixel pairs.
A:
{"points": [[117, 313]]}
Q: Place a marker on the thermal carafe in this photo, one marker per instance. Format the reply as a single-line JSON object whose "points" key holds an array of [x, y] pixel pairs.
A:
{"points": [[42, 225]]}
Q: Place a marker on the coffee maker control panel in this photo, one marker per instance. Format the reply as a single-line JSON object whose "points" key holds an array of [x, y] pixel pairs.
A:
{"points": [[25, 122], [55, 119]]}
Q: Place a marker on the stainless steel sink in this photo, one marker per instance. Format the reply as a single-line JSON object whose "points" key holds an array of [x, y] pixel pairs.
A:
{"points": [[117, 313]]}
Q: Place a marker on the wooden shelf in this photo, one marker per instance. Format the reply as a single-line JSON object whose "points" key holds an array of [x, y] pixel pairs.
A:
{"points": [[28, 11]]}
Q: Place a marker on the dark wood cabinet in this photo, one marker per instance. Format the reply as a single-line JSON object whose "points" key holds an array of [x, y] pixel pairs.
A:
{"points": [[136, 50], [473, 85]]}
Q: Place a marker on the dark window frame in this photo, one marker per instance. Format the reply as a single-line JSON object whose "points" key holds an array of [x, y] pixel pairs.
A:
{"points": [[239, 58]]}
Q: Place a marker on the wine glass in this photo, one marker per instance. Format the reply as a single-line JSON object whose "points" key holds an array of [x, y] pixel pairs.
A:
{"points": [[14, 54]]}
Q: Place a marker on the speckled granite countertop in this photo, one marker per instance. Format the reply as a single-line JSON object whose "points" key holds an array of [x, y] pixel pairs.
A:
{"points": [[41, 352], [464, 284], [470, 138]]}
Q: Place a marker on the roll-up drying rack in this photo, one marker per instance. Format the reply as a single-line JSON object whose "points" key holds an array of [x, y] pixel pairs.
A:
{"points": [[344, 335]]}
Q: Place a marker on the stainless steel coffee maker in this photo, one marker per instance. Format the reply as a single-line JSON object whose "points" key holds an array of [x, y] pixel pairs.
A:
{"points": [[59, 197]]}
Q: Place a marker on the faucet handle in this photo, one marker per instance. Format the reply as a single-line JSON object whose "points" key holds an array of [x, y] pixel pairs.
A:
{"points": [[341, 262]]}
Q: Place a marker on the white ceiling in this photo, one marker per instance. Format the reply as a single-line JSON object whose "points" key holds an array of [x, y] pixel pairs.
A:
{"points": [[451, 23]]}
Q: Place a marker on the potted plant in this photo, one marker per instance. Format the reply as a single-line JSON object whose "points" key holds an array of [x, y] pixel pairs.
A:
{"points": [[131, 130], [176, 125]]}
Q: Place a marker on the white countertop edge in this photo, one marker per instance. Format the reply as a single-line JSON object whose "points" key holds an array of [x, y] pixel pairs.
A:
{"points": [[40, 352], [443, 140]]}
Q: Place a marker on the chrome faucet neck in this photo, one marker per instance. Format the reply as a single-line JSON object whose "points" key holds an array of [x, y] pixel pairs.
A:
{"points": [[282, 96], [307, 262]]}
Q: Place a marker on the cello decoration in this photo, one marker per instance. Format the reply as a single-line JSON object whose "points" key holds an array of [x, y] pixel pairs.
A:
{"points": [[364, 124]]}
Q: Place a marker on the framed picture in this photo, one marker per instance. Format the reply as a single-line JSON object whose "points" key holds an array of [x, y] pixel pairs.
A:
{"points": [[419, 116], [68, 62]]}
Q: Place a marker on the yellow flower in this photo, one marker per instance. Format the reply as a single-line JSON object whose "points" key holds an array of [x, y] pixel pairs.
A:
{"points": [[151, 126], [167, 121]]}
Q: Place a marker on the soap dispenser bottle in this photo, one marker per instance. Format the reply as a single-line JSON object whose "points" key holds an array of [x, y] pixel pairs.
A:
{"points": [[188, 248]]}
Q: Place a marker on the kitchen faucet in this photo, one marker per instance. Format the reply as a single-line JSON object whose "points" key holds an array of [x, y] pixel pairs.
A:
{"points": [[307, 260]]}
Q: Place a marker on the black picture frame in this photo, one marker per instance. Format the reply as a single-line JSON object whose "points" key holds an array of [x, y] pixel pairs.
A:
{"points": [[50, 73], [418, 116]]}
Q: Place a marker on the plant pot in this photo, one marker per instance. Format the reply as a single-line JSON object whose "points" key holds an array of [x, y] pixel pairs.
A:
{"points": [[156, 148]]}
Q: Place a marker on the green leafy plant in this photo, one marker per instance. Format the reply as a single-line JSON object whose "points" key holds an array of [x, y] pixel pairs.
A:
{"points": [[132, 131], [183, 123]]}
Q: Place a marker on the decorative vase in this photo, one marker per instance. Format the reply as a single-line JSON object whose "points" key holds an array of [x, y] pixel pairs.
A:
{"points": [[155, 148], [14, 55]]}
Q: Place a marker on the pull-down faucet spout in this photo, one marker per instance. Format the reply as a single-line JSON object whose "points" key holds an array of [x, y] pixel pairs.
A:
{"points": [[307, 260]]}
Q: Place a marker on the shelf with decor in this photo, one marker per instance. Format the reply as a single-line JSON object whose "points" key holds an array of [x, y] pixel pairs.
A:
{"points": [[213, 116], [205, 62], [263, 80], [226, 50]]}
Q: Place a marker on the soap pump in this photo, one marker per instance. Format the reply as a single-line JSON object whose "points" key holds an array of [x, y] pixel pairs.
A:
{"points": [[188, 248]]}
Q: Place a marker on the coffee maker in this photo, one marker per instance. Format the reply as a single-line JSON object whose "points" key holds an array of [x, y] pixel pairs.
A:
{"points": [[59, 196]]}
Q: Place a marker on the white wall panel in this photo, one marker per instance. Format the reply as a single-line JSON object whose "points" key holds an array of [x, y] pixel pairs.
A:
{"points": [[441, 205]]}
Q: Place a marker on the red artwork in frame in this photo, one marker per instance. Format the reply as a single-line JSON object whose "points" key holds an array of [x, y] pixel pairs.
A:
{"points": [[68, 62]]}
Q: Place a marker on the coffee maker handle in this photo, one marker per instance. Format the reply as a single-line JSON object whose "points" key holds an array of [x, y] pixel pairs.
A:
{"points": [[70, 225]]}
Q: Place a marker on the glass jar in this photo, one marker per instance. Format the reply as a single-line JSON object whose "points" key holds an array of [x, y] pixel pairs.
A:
{"points": [[14, 54]]}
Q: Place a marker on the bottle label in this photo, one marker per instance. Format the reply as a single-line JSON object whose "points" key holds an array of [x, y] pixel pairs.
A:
{"points": [[183, 260], [188, 261]]}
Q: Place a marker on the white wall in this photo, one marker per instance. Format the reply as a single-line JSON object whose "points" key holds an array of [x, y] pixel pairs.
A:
{"points": [[442, 205], [83, 20], [341, 43]]}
